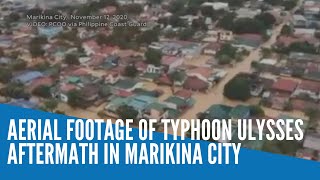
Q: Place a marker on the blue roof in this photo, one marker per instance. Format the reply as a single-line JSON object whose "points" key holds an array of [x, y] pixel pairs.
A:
{"points": [[141, 102], [23, 103], [28, 76], [5, 60]]}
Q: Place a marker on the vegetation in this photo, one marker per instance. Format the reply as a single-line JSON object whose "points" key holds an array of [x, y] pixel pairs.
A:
{"points": [[71, 59], [75, 98], [287, 30], [237, 89], [130, 71], [127, 112], [5, 75], [15, 90], [42, 91], [153, 57], [258, 24], [35, 46], [256, 110], [51, 105]]}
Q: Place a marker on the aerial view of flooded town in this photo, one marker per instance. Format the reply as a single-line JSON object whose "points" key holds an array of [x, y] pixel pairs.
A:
{"points": [[178, 59]]}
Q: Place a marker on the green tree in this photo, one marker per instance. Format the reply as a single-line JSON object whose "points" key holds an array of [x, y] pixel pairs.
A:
{"points": [[186, 34], [266, 52], [148, 36], [5, 75], [71, 59], [15, 90], [127, 112], [75, 99], [153, 57], [18, 65], [286, 30], [226, 22], [51, 104], [267, 19], [42, 91], [36, 50], [130, 71], [256, 110], [227, 50], [237, 89]]}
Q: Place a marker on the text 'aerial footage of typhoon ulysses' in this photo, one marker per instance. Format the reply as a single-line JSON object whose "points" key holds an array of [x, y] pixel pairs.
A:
{"points": [[174, 59]]}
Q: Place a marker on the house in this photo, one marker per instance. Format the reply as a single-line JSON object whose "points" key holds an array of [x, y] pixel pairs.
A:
{"points": [[90, 47], [50, 31], [304, 31], [218, 35], [156, 111], [127, 85], [309, 89], [27, 77], [170, 63], [5, 41], [153, 69], [90, 94], [247, 13], [190, 50], [5, 61], [268, 64], [218, 111], [61, 91], [178, 103], [196, 84], [299, 20], [211, 49], [43, 81], [139, 102], [198, 79], [247, 41], [216, 5], [112, 77], [286, 41], [312, 141], [308, 154], [184, 94], [24, 103], [240, 112], [284, 87]]}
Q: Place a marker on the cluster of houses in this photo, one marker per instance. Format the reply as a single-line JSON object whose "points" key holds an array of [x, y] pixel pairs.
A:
{"points": [[100, 76]]}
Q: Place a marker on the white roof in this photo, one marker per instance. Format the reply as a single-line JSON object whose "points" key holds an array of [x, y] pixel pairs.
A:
{"points": [[298, 17], [268, 61]]}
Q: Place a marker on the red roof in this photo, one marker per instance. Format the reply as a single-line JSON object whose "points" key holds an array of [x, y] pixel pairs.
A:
{"points": [[285, 85], [193, 83], [46, 81], [112, 73], [123, 93], [167, 60], [302, 105], [203, 71], [79, 72], [287, 40], [67, 87], [216, 46], [310, 86], [164, 79], [141, 66], [184, 93], [251, 36]]}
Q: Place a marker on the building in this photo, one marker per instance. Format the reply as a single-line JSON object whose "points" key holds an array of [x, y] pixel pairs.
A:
{"points": [[27, 77], [216, 5]]}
